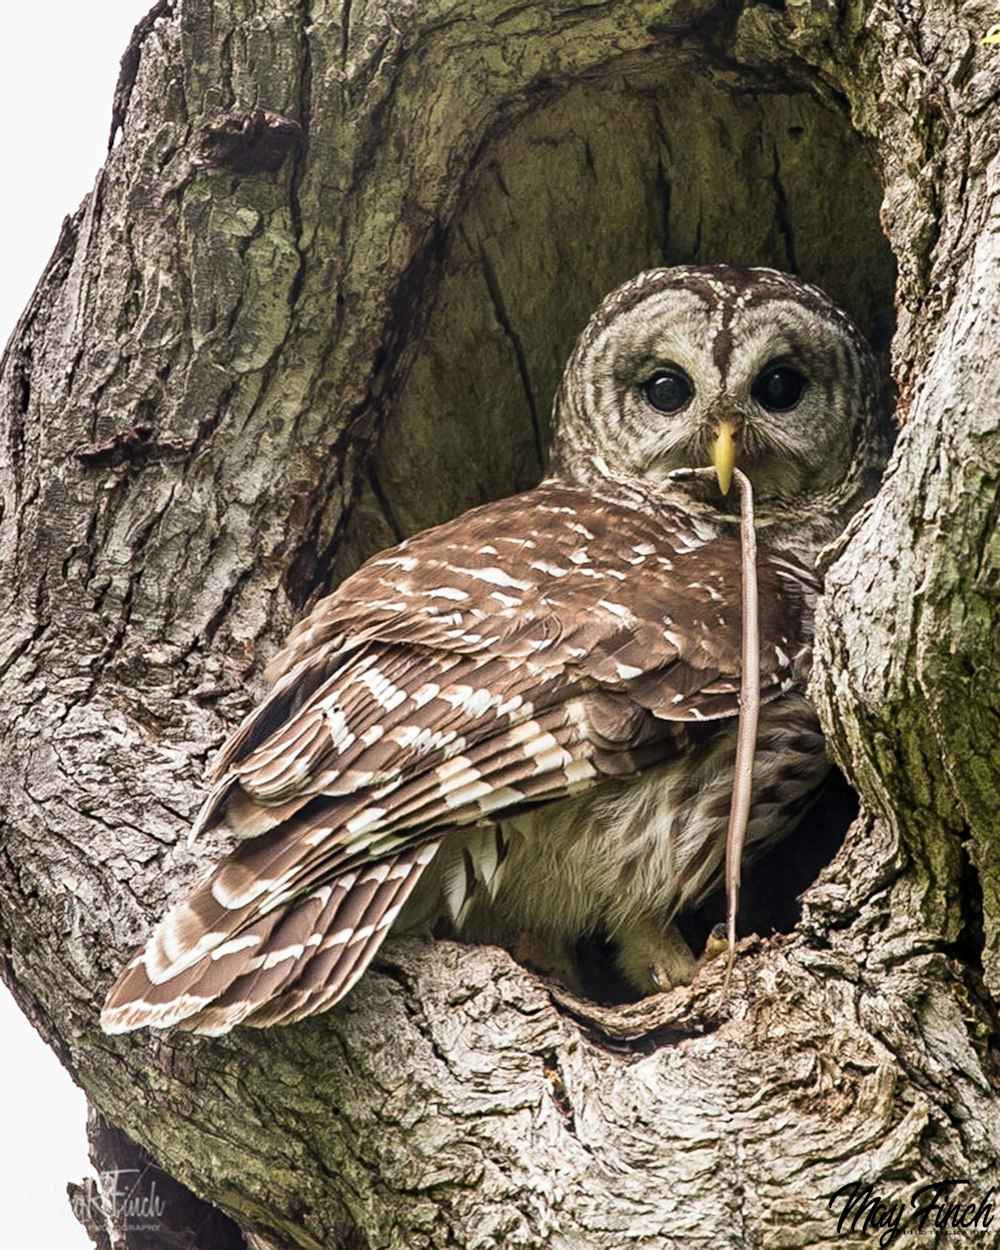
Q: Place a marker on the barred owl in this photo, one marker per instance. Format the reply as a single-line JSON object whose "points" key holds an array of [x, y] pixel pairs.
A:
{"points": [[525, 718]]}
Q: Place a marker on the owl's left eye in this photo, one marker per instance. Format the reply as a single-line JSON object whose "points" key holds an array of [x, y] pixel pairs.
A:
{"points": [[778, 388]]}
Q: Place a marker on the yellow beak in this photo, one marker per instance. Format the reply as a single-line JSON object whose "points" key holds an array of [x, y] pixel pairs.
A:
{"points": [[724, 453]]}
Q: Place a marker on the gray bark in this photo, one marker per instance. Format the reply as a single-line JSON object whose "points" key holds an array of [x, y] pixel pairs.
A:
{"points": [[320, 297]]}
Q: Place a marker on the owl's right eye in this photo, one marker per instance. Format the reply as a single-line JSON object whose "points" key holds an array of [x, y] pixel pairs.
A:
{"points": [[668, 389]]}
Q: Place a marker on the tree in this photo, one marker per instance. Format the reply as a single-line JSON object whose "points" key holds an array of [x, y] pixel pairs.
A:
{"points": [[320, 297]]}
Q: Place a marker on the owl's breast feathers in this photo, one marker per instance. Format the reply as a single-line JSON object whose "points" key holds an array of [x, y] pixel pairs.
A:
{"points": [[517, 654]]}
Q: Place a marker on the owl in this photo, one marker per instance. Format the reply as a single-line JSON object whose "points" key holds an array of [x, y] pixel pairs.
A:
{"points": [[524, 720]]}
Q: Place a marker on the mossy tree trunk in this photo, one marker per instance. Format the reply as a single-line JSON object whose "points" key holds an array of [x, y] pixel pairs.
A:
{"points": [[320, 297]]}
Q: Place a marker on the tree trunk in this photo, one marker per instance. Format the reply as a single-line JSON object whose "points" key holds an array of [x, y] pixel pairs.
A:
{"points": [[320, 297]]}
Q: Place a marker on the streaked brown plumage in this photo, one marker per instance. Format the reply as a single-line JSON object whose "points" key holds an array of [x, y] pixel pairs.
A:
{"points": [[530, 710]]}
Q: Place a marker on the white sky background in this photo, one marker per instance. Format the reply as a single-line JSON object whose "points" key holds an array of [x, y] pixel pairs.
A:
{"points": [[58, 69]]}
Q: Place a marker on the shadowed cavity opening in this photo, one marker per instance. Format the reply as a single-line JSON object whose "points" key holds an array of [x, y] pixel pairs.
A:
{"points": [[653, 167], [659, 165]]}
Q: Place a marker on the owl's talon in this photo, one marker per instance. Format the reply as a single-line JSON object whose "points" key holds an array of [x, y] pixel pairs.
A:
{"points": [[654, 957]]}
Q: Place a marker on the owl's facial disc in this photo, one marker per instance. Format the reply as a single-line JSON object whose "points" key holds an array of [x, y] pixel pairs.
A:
{"points": [[701, 367], [756, 390]]}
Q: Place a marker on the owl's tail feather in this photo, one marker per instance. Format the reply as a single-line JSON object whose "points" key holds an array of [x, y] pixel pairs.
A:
{"points": [[287, 963], [287, 923]]}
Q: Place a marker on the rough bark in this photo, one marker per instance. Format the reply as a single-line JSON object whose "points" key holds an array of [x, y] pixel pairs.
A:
{"points": [[319, 297]]}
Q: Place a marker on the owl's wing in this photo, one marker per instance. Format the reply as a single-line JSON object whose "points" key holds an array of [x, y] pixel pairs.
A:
{"points": [[512, 656]]}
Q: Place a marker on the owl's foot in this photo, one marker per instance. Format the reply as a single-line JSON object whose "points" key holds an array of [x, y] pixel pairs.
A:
{"points": [[654, 958]]}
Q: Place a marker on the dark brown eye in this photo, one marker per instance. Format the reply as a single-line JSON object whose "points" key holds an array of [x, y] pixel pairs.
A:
{"points": [[778, 388], [668, 390]]}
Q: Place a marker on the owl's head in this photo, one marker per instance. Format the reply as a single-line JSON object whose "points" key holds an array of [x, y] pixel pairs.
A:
{"points": [[714, 365]]}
